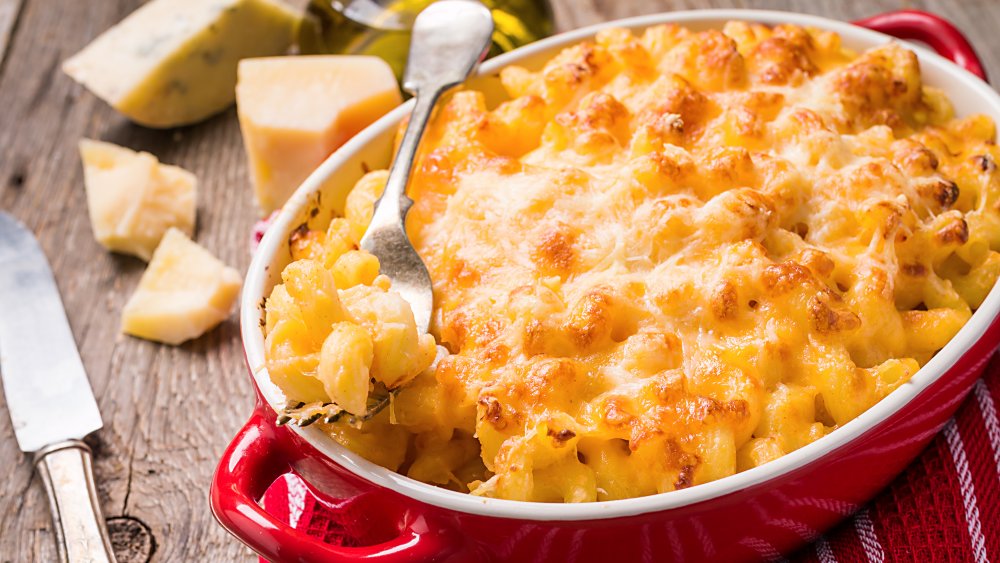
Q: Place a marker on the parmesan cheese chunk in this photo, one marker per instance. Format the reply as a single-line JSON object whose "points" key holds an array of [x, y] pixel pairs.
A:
{"points": [[295, 111], [184, 292], [173, 62], [133, 199]]}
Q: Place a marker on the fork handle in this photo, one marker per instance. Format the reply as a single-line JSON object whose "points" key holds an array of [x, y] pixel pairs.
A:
{"points": [[67, 471], [386, 235], [391, 207]]}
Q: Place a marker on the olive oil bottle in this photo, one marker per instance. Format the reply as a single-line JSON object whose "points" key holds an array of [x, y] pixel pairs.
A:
{"points": [[382, 27]]}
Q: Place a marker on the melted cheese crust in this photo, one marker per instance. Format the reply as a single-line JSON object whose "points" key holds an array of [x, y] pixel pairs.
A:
{"points": [[675, 256]]}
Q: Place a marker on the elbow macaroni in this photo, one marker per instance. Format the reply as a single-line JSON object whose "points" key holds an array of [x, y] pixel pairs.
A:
{"points": [[669, 257]]}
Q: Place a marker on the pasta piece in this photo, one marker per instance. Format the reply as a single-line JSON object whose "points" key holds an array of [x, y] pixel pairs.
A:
{"points": [[344, 365]]}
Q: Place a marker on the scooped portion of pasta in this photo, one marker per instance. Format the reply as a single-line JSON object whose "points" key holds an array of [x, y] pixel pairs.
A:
{"points": [[669, 257]]}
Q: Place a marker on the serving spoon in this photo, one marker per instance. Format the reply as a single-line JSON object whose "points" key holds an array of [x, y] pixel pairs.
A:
{"points": [[450, 38]]}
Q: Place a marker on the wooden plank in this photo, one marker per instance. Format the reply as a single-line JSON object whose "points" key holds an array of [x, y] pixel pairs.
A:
{"points": [[169, 412]]}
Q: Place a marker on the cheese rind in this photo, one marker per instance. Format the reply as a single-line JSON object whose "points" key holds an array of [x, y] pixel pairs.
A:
{"points": [[295, 111], [133, 199], [173, 62], [183, 293]]}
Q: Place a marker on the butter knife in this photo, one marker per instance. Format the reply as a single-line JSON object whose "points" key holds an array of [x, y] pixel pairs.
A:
{"points": [[48, 395]]}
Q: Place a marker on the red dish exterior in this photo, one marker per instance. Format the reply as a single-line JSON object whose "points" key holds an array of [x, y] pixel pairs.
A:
{"points": [[756, 523]]}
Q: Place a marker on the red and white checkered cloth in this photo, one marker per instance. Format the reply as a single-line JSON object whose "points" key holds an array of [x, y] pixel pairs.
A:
{"points": [[944, 507]]}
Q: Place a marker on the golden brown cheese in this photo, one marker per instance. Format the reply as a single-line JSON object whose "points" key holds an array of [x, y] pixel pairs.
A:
{"points": [[668, 258]]}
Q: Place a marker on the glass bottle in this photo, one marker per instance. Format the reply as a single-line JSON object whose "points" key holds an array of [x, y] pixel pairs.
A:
{"points": [[382, 27]]}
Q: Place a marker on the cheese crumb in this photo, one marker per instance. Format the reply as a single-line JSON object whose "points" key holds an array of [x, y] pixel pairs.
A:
{"points": [[133, 199], [183, 293]]}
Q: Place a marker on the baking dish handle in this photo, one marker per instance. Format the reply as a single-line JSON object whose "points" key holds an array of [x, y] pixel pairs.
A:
{"points": [[254, 460], [939, 33]]}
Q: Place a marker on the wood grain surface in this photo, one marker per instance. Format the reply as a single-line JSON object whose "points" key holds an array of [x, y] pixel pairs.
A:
{"points": [[170, 411]]}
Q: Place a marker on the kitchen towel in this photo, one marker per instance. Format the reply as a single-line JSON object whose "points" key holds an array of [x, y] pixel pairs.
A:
{"points": [[944, 507]]}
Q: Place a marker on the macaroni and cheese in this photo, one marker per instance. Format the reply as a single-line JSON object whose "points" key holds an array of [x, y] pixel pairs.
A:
{"points": [[669, 257]]}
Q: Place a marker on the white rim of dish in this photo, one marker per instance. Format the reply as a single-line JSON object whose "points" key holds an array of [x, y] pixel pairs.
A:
{"points": [[253, 291]]}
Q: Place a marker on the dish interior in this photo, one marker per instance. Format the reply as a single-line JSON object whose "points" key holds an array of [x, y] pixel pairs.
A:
{"points": [[372, 149]]}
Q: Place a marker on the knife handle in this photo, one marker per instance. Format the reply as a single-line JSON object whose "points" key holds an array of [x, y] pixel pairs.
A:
{"points": [[67, 471]]}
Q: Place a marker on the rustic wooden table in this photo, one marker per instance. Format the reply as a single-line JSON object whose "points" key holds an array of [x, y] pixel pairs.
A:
{"points": [[169, 412]]}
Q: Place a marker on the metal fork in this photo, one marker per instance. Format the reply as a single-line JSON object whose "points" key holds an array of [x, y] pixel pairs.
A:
{"points": [[450, 38]]}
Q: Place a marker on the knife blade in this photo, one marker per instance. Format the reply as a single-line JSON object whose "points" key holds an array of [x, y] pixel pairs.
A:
{"points": [[48, 394]]}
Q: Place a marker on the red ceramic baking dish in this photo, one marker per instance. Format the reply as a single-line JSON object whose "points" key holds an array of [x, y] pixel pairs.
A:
{"points": [[756, 514]]}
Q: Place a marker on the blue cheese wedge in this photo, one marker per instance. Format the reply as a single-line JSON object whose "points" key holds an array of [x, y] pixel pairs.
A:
{"points": [[173, 62], [133, 199]]}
